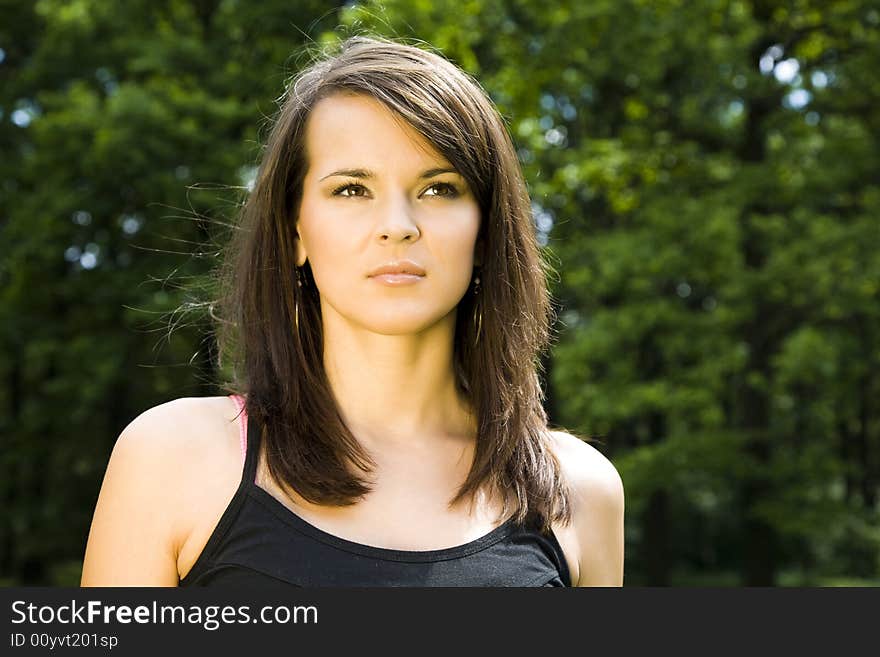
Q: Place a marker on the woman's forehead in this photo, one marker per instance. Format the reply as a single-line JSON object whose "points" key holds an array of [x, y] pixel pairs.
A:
{"points": [[347, 131]]}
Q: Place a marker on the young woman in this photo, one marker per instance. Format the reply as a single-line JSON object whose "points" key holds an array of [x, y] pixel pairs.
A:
{"points": [[386, 308]]}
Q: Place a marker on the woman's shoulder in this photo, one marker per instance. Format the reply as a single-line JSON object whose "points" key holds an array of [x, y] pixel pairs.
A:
{"points": [[165, 470], [186, 446], [584, 465], [181, 425], [185, 439], [597, 509], [182, 435]]}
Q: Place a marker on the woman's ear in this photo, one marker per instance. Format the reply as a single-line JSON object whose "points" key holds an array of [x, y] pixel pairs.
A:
{"points": [[301, 254], [478, 253]]}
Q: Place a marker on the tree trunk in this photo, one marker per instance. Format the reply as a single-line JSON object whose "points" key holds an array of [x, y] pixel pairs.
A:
{"points": [[655, 543]]}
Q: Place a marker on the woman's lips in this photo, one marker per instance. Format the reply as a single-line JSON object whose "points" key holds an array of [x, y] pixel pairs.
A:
{"points": [[396, 280]]}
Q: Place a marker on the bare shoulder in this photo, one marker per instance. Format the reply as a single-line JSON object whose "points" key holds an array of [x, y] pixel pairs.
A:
{"points": [[174, 442], [159, 465], [588, 469], [179, 428], [598, 509], [185, 445]]}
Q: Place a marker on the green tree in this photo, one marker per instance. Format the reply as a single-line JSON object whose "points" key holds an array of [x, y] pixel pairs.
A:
{"points": [[128, 131], [705, 176]]}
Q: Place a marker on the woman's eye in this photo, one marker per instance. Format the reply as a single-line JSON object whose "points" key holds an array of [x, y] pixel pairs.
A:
{"points": [[350, 189], [442, 189]]}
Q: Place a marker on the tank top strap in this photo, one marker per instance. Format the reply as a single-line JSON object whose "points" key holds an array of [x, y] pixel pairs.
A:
{"points": [[253, 451]]}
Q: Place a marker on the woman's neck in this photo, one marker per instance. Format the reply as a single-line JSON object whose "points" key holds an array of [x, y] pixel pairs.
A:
{"points": [[397, 390]]}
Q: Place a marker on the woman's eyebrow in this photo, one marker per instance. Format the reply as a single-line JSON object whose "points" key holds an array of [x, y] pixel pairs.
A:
{"points": [[366, 173], [350, 173], [430, 173]]}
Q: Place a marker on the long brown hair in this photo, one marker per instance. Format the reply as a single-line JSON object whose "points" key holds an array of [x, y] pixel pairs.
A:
{"points": [[280, 369]]}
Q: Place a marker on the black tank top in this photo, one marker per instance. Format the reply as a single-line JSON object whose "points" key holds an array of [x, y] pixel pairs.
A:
{"points": [[259, 541]]}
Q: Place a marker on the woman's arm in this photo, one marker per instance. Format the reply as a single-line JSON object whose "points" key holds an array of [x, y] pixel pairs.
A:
{"points": [[600, 526], [598, 510], [136, 528]]}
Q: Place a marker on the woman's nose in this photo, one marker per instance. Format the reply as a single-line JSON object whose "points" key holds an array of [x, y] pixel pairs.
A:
{"points": [[396, 222]]}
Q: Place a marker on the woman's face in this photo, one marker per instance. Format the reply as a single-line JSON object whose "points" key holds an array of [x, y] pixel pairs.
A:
{"points": [[377, 193]]}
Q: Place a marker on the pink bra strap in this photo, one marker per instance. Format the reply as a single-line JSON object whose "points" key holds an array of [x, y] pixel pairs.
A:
{"points": [[242, 424]]}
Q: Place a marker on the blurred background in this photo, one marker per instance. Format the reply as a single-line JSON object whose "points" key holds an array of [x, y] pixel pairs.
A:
{"points": [[705, 178]]}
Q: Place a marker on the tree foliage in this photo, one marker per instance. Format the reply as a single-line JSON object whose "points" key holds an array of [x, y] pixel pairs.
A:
{"points": [[704, 177]]}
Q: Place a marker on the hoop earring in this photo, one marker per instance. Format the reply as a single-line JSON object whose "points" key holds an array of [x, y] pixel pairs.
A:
{"points": [[478, 312], [295, 304]]}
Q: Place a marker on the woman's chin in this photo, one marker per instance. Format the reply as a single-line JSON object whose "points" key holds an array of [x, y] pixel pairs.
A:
{"points": [[404, 326]]}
